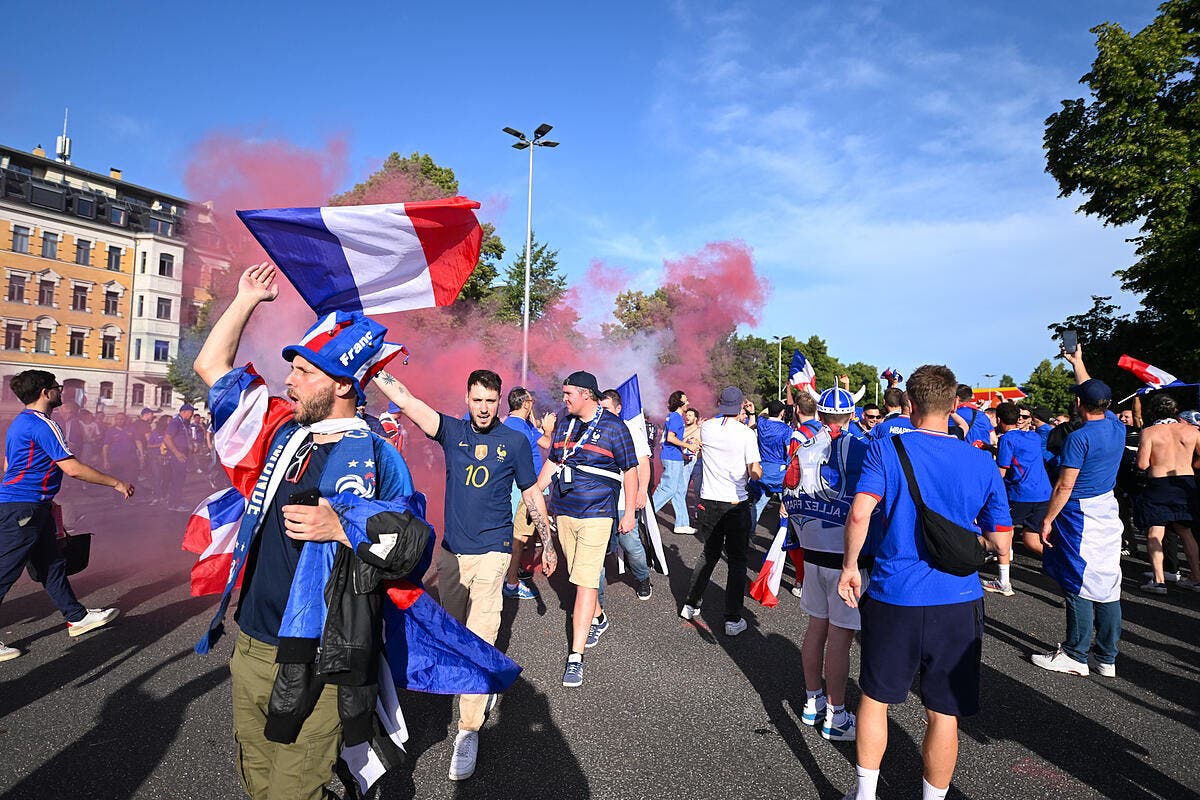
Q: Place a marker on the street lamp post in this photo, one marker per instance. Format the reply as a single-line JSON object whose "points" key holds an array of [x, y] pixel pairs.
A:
{"points": [[779, 369], [538, 140], [989, 376]]}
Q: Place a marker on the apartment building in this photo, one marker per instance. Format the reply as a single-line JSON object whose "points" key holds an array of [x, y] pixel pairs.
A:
{"points": [[92, 281]]}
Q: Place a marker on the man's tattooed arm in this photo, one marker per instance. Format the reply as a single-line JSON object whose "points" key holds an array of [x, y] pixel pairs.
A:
{"points": [[412, 407]]}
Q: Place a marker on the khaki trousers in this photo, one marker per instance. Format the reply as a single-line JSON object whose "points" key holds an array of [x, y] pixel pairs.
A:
{"points": [[471, 590], [269, 770]]}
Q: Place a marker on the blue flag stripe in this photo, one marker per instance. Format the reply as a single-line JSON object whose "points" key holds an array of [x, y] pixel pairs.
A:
{"points": [[631, 398]]}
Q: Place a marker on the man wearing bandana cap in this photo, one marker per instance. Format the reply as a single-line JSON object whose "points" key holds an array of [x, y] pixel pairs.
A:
{"points": [[305, 663]]}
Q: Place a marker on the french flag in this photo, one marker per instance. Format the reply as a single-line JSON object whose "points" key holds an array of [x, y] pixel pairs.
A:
{"points": [[765, 588], [800, 373], [211, 533], [892, 374], [377, 259], [631, 412], [245, 418], [1149, 374]]}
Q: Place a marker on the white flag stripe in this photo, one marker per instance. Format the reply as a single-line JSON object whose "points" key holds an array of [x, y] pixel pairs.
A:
{"points": [[384, 255]]}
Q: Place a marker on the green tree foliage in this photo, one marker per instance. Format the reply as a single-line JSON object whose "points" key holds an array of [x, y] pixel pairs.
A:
{"points": [[1050, 385], [181, 374], [546, 284], [1131, 149], [1007, 380], [753, 363], [1106, 335], [418, 177]]}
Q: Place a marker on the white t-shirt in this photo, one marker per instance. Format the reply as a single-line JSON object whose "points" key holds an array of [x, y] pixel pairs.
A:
{"points": [[729, 446], [641, 449]]}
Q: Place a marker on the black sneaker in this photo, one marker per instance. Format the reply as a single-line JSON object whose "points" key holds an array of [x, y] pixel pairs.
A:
{"points": [[643, 590]]}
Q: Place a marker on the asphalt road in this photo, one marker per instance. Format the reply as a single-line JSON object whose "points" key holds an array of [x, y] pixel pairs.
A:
{"points": [[668, 709]]}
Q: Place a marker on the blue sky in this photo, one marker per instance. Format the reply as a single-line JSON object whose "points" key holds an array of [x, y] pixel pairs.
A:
{"points": [[883, 160]]}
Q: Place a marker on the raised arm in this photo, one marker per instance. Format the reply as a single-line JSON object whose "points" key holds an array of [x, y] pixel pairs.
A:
{"points": [[412, 407], [216, 357], [1076, 360]]}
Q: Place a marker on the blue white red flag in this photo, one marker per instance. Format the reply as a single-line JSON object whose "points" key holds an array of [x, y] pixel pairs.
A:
{"points": [[377, 259], [891, 374], [1149, 374], [800, 373], [633, 414], [244, 419], [765, 588], [211, 533], [631, 399]]}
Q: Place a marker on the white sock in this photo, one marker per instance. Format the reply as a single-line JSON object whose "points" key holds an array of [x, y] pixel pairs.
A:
{"points": [[868, 780], [574, 657], [929, 792], [1004, 573]]}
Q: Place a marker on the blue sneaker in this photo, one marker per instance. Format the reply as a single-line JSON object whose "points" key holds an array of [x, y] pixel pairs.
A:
{"points": [[814, 710], [846, 732], [522, 591], [573, 675], [595, 632]]}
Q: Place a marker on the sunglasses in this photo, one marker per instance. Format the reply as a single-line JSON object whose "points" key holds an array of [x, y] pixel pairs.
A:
{"points": [[872, 416], [1026, 416]]}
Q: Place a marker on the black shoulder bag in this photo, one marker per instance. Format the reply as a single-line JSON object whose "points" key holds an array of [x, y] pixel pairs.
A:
{"points": [[953, 548]]}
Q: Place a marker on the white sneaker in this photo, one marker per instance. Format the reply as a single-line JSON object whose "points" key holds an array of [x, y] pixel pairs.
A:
{"points": [[798, 591], [466, 749], [1106, 670], [684, 529], [8, 653], [734, 628], [95, 618], [1059, 661], [997, 586], [689, 612]]}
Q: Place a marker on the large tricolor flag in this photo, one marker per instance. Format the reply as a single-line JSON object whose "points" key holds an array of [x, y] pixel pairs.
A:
{"points": [[1149, 374], [631, 411], [211, 533], [800, 373], [377, 259], [765, 588]]}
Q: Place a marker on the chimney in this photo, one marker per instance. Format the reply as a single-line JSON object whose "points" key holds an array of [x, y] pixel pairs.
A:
{"points": [[114, 173], [39, 151]]}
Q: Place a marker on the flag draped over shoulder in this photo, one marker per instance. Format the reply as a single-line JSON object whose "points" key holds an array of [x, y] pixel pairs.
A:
{"points": [[800, 372], [211, 533], [377, 259]]}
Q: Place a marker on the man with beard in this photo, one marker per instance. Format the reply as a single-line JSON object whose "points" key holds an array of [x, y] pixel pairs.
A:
{"points": [[37, 456]]}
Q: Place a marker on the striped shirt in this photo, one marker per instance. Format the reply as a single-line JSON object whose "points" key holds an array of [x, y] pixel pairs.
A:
{"points": [[609, 447]]}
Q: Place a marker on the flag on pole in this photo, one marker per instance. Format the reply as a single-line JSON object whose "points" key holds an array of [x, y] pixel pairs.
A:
{"points": [[377, 259], [1149, 374], [765, 588], [631, 411], [891, 373], [211, 534], [800, 373]]}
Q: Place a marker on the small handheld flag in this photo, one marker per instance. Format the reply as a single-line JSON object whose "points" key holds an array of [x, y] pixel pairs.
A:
{"points": [[800, 373], [1149, 374], [377, 259]]}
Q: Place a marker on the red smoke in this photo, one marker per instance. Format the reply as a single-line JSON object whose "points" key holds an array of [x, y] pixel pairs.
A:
{"points": [[711, 293]]}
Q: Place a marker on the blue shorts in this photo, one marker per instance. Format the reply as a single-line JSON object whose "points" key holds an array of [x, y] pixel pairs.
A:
{"points": [[1029, 516], [943, 645]]}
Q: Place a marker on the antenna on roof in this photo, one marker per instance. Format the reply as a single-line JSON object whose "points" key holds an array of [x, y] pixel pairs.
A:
{"points": [[62, 148]]}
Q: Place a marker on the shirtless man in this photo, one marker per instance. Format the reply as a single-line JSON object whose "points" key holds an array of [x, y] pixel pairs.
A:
{"points": [[1168, 450]]}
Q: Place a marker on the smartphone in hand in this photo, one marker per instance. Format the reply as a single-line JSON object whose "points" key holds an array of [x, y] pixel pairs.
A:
{"points": [[309, 497], [1070, 340]]}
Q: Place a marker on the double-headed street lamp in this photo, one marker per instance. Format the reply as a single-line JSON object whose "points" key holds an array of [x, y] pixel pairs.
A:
{"points": [[538, 140]]}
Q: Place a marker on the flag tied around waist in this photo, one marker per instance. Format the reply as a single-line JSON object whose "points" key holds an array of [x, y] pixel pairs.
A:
{"points": [[377, 259], [800, 373]]}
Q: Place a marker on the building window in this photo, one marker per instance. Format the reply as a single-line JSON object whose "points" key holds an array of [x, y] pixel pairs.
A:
{"points": [[79, 297], [106, 389], [164, 308], [41, 342], [12, 336], [166, 265], [163, 395], [16, 289], [141, 310], [46, 293], [114, 258], [143, 264], [108, 348], [162, 350], [137, 395], [49, 245], [112, 301], [160, 226], [137, 348], [20, 239], [118, 215], [85, 207], [83, 252], [76, 348]]}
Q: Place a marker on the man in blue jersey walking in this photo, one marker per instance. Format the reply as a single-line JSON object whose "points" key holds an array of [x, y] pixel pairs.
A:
{"points": [[37, 456]]}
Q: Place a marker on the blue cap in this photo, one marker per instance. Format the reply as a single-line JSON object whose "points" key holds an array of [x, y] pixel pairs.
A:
{"points": [[1092, 392], [187, 407]]}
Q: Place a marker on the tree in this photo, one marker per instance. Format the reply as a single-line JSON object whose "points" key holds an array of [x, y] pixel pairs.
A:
{"points": [[637, 312], [1132, 151], [1007, 380], [546, 284], [419, 177], [1050, 385], [181, 375]]}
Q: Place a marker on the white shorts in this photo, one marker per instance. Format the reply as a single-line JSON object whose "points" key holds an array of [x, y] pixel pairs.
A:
{"points": [[820, 597]]}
